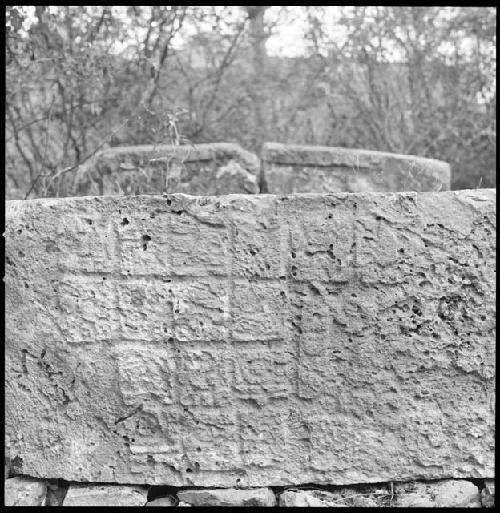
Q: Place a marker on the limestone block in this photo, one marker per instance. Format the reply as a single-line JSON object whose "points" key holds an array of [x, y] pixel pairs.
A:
{"points": [[444, 494], [292, 168], [101, 495], [309, 498], [24, 491], [363, 497], [216, 168], [364, 502], [228, 497], [247, 341]]}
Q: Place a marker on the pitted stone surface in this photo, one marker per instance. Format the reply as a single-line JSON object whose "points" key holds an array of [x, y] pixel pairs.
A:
{"points": [[292, 168], [363, 497], [101, 495], [444, 494], [263, 497], [202, 169], [246, 341], [23, 491], [309, 499]]}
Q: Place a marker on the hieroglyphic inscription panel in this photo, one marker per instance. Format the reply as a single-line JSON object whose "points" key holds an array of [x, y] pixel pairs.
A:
{"points": [[251, 340]]}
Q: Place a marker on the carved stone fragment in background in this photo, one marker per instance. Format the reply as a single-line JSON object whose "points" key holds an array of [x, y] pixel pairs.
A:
{"points": [[292, 168], [202, 169]]}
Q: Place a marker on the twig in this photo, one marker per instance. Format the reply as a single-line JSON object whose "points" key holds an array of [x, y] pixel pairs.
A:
{"points": [[146, 99], [92, 153], [104, 142], [34, 183], [78, 164], [18, 144], [32, 122], [42, 162], [152, 90], [225, 62]]}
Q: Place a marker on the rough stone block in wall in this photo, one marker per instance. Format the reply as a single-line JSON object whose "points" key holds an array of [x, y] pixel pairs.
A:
{"points": [[23, 491], [442, 494], [246, 341], [203, 169], [291, 168], [263, 497], [373, 497], [98, 495]]}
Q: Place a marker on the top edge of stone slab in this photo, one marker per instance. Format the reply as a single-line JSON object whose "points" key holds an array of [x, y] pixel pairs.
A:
{"points": [[293, 154], [490, 193], [188, 152]]}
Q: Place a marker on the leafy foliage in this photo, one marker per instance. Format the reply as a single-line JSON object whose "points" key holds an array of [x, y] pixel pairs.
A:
{"points": [[417, 80]]}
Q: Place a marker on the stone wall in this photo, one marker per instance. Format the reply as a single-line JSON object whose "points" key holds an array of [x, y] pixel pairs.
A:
{"points": [[291, 168], [204, 169], [251, 341], [21, 491]]}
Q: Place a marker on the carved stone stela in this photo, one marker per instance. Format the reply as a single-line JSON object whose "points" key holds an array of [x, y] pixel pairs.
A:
{"points": [[251, 340]]}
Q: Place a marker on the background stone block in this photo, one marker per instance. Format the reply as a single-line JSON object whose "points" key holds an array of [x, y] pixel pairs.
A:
{"points": [[292, 168], [214, 168]]}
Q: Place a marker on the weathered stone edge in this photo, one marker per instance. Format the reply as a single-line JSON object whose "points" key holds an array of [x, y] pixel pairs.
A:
{"points": [[187, 153], [488, 194], [289, 154]]}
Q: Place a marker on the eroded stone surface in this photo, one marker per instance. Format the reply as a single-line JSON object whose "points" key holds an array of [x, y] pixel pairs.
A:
{"points": [[347, 497], [228, 497], [309, 498], [247, 341], [292, 168], [23, 491], [101, 495], [444, 494], [202, 169]]}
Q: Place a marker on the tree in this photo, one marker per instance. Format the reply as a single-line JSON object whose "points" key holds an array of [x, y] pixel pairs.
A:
{"points": [[67, 92], [417, 80], [258, 38]]}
